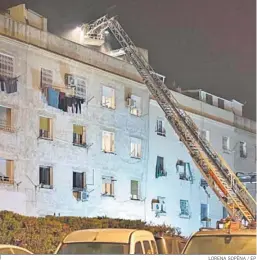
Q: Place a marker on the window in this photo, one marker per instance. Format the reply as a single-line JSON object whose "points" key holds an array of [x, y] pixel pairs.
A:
{"points": [[209, 99], [243, 152], [159, 169], [205, 135], [204, 212], [135, 148], [6, 171], [108, 186], [6, 119], [46, 79], [79, 135], [225, 143], [108, 97], [6, 66], [135, 105], [160, 127], [46, 177], [5, 251], [184, 170], [79, 181], [221, 103], [134, 185], [108, 142], [80, 88], [138, 249], [184, 208], [45, 128], [161, 206], [153, 243], [147, 247]]}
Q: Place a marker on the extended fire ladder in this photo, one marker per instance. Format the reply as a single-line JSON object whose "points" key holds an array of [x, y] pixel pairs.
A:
{"points": [[223, 181]]}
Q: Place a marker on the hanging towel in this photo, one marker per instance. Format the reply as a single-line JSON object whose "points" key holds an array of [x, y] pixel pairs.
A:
{"points": [[61, 100], [53, 97]]}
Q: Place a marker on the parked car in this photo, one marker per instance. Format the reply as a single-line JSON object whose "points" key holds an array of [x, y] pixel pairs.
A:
{"points": [[108, 241], [13, 250]]}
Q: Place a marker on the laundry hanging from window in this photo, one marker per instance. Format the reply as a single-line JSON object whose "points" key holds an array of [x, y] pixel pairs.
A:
{"points": [[8, 85], [159, 170], [53, 97]]}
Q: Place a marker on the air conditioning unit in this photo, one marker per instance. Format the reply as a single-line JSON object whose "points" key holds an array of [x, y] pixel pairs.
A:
{"points": [[71, 81], [83, 195]]}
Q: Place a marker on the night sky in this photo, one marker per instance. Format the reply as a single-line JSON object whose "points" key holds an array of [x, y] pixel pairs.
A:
{"points": [[202, 44]]}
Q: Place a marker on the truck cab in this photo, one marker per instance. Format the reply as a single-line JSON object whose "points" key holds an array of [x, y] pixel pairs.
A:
{"points": [[225, 240]]}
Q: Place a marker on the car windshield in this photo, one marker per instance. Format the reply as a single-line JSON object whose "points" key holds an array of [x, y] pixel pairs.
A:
{"points": [[95, 248], [225, 244]]}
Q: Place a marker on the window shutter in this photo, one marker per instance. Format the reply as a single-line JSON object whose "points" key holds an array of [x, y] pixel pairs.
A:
{"points": [[84, 180], [44, 123]]}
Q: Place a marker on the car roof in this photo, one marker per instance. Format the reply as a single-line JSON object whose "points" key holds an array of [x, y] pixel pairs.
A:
{"points": [[208, 232], [13, 247], [114, 235]]}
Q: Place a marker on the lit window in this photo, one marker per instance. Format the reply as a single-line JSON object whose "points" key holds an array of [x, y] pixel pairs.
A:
{"points": [[135, 147], [243, 151], [79, 181], [79, 135], [6, 66], [134, 103], [108, 97], [6, 171], [108, 186], [45, 128], [134, 190], [160, 127], [46, 177], [225, 143], [184, 208], [108, 142], [6, 119]]}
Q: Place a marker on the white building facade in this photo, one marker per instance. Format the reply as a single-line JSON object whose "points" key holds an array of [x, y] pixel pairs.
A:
{"points": [[79, 136]]}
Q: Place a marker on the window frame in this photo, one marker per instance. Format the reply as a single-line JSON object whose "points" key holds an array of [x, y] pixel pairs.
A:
{"points": [[48, 132], [83, 184], [8, 178], [6, 124], [163, 131], [81, 137], [227, 146], [137, 109], [137, 195], [108, 180], [105, 100], [3, 73], [185, 213], [50, 177], [135, 143], [111, 136], [243, 149]]}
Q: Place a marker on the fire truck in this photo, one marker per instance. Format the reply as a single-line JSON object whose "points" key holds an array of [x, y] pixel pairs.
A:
{"points": [[220, 177]]}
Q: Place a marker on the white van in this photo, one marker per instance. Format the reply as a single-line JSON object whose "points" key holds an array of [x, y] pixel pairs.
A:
{"points": [[108, 241]]}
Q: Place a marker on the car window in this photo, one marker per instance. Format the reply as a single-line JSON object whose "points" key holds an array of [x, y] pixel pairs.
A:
{"points": [[148, 250], [18, 251], [138, 249], [5, 251], [154, 247]]}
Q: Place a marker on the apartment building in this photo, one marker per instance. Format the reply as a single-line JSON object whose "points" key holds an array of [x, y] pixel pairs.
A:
{"points": [[175, 188], [81, 136]]}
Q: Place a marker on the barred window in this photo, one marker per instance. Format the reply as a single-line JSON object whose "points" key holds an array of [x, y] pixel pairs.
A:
{"points": [[46, 78], [6, 66], [80, 89]]}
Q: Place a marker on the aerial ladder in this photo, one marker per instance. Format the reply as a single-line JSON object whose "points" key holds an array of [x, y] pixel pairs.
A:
{"points": [[220, 177]]}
